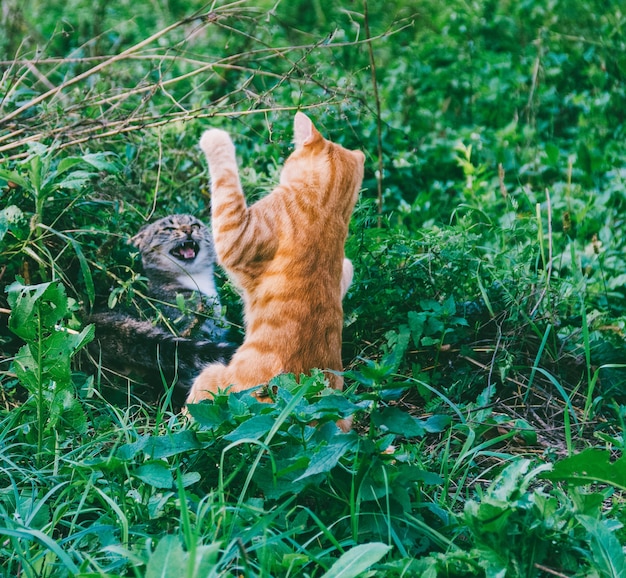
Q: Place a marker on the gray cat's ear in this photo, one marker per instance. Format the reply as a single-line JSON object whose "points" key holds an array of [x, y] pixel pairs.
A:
{"points": [[304, 133], [139, 238]]}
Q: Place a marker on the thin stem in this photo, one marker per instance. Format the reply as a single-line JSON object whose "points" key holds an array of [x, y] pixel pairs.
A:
{"points": [[40, 400], [121, 56], [379, 128]]}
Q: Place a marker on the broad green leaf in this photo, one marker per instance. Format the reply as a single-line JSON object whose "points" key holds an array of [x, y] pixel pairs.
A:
{"points": [[168, 559], [502, 498], [411, 474], [449, 306], [66, 408], [332, 404], [326, 457], [394, 420], [37, 169], [526, 431], [590, 466], [54, 359], [34, 513], [11, 176], [254, 428], [371, 373], [437, 423], [209, 415], [156, 474], [38, 150], [23, 300], [509, 482], [606, 552], [288, 381], [206, 560], [52, 306], [76, 180], [67, 163], [430, 305], [416, 323], [25, 366], [281, 482], [239, 403], [172, 444], [79, 340], [108, 464], [57, 350], [393, 359], [129, 451], [492, 561], [75, 416], [357, 560], [100, 162], [552, 152], [9, 216], [490, 515], [190, 478]]}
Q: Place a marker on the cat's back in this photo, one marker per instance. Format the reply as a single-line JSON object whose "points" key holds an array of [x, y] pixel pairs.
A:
{"points": [[309, 211], [296, 302]]}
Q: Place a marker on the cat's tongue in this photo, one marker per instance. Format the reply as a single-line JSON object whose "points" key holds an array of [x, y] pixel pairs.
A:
{"points": [[188, 252]]}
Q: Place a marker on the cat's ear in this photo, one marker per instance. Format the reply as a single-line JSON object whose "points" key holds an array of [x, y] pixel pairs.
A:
{"points": [[139, 238], [304, 133]]}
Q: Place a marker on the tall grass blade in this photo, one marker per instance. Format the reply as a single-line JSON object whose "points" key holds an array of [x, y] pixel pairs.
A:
{"points": [[569, 410], [542, 346], [44, 540]]}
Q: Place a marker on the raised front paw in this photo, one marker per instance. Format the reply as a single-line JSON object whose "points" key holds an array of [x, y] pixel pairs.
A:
{"points": [[217, 142]]}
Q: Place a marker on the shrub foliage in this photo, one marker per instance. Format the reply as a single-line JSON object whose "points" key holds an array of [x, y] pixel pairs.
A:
{"points": [[484, 331]]}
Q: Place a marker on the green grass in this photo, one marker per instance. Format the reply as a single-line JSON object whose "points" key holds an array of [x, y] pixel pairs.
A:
{"points": [[484, 340]]}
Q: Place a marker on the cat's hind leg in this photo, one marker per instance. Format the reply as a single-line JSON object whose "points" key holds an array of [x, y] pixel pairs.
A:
{"points": [[213, 378]]}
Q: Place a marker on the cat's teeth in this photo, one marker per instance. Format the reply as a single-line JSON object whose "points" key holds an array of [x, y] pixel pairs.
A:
{"points": [[187, 251]]}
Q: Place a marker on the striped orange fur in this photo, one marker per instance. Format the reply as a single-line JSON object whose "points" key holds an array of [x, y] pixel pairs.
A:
{"points": [[286, 254]]}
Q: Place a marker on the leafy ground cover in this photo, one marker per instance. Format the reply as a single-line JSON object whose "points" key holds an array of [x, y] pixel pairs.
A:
{"points": [[484, 339]]}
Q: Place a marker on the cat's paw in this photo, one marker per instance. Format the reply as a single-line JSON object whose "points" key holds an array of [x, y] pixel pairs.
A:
{"points": [[346, 276], [216, 141], [197, 393]]}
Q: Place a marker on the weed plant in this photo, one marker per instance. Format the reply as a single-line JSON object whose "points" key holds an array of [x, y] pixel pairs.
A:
{"points": [[484, 330]]}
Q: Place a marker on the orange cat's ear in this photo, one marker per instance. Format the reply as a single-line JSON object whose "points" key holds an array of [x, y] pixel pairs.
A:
{"points": [[304, 133]]}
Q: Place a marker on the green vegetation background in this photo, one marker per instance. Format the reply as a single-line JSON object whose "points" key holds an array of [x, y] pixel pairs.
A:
{"points": [[484, 336]]}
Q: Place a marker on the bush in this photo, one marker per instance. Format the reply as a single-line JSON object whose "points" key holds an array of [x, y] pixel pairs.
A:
{"points": [[484, 335]]}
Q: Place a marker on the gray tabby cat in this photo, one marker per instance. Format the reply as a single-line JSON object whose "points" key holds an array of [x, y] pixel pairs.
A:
{"points": [[178, 258]]}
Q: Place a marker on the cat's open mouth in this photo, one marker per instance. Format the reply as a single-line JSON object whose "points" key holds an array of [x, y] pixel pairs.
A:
{"points": [[186, 251]]}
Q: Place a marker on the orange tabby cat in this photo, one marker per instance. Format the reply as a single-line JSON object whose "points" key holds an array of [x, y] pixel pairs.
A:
{"points": [[286, 254]]}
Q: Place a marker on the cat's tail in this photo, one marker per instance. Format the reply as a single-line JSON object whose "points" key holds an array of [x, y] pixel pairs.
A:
{"points": [[128, 345]]}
